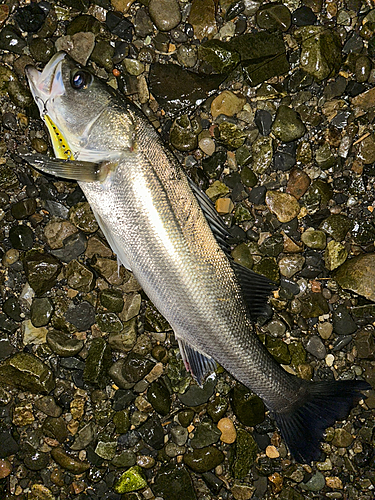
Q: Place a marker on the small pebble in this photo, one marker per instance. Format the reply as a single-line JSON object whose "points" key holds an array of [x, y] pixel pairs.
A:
{"points": [[228, 430], [224, 206], [272, 452], [330, 358]]}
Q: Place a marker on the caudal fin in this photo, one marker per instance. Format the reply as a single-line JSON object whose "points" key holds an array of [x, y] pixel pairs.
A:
{"points": [[303, 427]]}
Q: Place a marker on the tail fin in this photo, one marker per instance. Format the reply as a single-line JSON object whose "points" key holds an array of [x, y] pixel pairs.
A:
{"points": [[303, 427]]}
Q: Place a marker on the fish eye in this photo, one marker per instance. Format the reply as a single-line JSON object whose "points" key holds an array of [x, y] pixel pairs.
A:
{"points": [[81, 79]]}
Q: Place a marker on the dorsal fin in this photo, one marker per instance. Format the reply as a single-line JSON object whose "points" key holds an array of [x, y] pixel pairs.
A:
{"points": [[214, 220], [256, 289]]}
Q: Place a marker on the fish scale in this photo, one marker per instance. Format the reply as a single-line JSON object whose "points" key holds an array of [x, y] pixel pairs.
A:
{"points": [[166, 231]]}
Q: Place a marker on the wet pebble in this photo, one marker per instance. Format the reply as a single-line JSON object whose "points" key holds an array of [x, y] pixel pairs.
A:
{"points": [[358, 274], [97, 362], [165, 14], [204, 459], [335, 255], [273, 16], [343, 323], [245, 454], [48, 405], [159, 397], [82, 217], [205, 434], [41, 270], [27, 372], [248, 408], [228, 430], [69, 463], [316, 347], [82, 315], [298, 183], [287, 125], [262, 152], [62, 344], [119, 25], [5, 468], [314, 238], [196, 395], [202, 18], [172, 480], [227, 103], [283, 205]]}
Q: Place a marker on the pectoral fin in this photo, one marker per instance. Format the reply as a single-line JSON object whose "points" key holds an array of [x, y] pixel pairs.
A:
{"points": [[200, 365], [85, 171]]}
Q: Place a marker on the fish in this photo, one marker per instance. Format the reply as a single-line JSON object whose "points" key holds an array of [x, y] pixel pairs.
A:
{"points": [[166, 230]]}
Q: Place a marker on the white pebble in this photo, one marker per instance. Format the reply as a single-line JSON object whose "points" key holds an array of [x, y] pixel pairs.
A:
{"points": [[330, 358]]}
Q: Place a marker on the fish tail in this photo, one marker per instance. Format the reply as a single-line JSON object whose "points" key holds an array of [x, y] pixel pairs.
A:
{"points": [[303, 427]]}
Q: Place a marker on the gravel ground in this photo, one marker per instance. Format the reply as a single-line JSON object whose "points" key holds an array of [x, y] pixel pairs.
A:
{"points": [[270, 108]]}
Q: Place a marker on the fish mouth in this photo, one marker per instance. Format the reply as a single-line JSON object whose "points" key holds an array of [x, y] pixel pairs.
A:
{"points": [[47, 84]]}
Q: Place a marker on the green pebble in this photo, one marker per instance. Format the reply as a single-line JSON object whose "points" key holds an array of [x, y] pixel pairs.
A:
{"points": [[131, 480], [335, 255], [185, 417], [112, 300], [217, 408], [245, 454], [336, 226], [241, 255], [62, 344], [12, 308], [23, 208], [279, 350], [122, 421], [268, 267], [287, 125], [136, 367], [204, 459], [231, 135], [69, 463], [126, 459], [218, 55], [313, 238], [173, 482], [79, 277], [21, 237], [272, 246], [273, 16], [324, 157], [320, 51], [248, 178], [42, 49], [216, 190], [184, 133], [103, 54], [55, 427], [106, 447], [41, 311], [262, 152], [83, 23], [41, 270], [98, 362], [109, 322], [205, 434], [248, 407], [83, 218], [124, 340], [159, 397], [27, 372], [358, 274], [242, 214], [313, 305]]}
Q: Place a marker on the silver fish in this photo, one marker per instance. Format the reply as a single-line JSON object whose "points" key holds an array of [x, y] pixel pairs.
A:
{"points": [[166, 231]]}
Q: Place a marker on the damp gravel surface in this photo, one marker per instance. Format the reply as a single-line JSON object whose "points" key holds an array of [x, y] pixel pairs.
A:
{"points": [[270, 108]]}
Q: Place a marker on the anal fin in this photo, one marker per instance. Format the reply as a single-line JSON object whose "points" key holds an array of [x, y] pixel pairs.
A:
{"points": [[200, 365]]}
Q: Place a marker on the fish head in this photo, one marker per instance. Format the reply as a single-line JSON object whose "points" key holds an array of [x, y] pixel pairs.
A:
{"points": [[81, 111]]}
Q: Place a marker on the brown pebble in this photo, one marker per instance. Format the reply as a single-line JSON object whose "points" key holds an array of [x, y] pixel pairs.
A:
{"points": [[298, 183], [228, 430], [224, 206], [334, 482], [5, 468]]}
